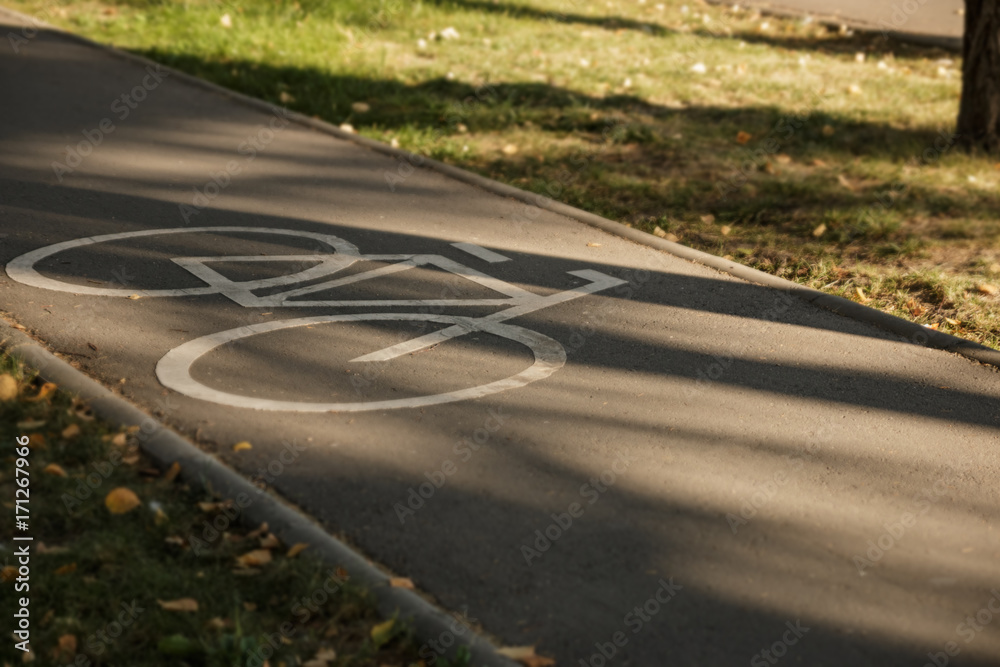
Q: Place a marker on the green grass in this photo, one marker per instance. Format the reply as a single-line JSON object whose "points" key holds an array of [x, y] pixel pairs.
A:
{"points": [[86, 562], [835, 181]]}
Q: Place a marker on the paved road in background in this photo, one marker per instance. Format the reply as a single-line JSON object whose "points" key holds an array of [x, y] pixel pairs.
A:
{"points": [[592, 442], [937, 18]]}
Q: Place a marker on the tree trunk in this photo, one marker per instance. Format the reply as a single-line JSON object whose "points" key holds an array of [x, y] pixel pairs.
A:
{"points": [[979, 110]]}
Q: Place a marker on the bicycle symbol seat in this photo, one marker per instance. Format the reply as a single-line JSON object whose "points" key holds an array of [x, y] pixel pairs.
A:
{"points": [[174, 369]]}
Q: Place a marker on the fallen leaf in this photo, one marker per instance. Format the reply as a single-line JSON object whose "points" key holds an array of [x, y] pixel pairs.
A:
{"points": [[817, 162], [861, 294], [130, 459], [8, 573], [134, 297], [119, 440], [708, 218], [986, 288], [347, 127], [66, 648], [725, 229], [286, 98], [915, 308], [254, 558], [44, 392], [36, 440], [819, 230], [172, 472], [55, 469], [258, 531], [383, 632], [526, 656], [217, 623], [242, 446], [782, 158], [31, 424], [250, 606], [121, 500], [66, 569], [8, 387], [846, 183], [183, 604], [402, 582], [296, 549], [593, 245], [175, 540], [854, 89], [71, 431], [52, 551], [952, 322], [226, 21], [743, 137], [360, 107], [270, 541], [509, 149], [933, 326]]}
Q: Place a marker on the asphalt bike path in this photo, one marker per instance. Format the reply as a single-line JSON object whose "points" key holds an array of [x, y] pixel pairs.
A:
{"points": [[578, 441]]}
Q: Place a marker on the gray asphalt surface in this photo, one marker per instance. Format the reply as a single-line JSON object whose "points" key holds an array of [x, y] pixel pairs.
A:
{"points": [[753, 449], [937, 18]]}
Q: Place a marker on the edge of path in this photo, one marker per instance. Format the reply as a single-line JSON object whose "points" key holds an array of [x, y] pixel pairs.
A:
{"points": [[256, 506], [829, 18], [909, 331]]}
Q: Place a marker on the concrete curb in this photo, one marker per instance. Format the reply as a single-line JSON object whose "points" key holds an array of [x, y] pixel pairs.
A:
{"points": [[256, 506], [912, 332], [830, 19]]}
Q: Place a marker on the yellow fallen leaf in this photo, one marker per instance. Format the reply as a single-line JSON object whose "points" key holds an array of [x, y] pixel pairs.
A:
{"points": [[172, 472], [593, 245], [183, 604], [8, 387], [121, 500], [66, 569], [254, 558], [55, 469], [383, 632], [296, 549], [360, 107], [854, 89], [66, 648], [952, 322], [986, 288], [783, 158], [933, 326], [819, 230], [526, 656], [743, 137], [725, 229], [241, 446], [71, 431], [175, 540], [510, 149], [846, 183], [44, 392], [270, 541], [119, 439], [401, 582], [134, 297], [861, 294]]}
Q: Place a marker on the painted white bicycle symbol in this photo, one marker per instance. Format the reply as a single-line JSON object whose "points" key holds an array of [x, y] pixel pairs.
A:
{"points": [[174, 369]]}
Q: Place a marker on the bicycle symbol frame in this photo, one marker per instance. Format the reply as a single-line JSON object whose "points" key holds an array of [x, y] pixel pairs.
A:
{"points": [[174, 369]]}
